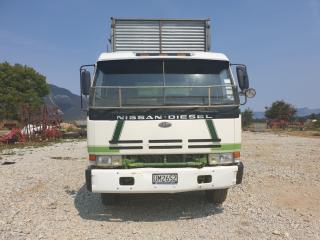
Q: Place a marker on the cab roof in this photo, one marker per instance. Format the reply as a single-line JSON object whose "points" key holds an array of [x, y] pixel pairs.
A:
{"points": [[131, 55]]}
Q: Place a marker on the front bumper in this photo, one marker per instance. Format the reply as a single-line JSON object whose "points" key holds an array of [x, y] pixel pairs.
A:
{"points": [[108, 180]]}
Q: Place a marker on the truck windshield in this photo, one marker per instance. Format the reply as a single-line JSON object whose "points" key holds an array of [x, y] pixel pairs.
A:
{"points": [[162, 82]]}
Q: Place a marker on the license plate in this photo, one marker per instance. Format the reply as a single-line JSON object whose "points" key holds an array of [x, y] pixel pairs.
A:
{"points": [[165, 178]]}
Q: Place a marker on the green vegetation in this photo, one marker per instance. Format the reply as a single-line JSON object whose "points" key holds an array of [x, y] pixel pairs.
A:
{"points": [[20, 85], [280, 110], [247, 118]]}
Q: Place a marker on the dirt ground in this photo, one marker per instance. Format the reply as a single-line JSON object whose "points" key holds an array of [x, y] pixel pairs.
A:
{"points": [[43, 196]]}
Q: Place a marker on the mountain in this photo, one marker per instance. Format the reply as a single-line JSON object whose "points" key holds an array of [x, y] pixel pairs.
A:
{"points": [[307, 111], [301, 112], [67, 102], [258, 115]]}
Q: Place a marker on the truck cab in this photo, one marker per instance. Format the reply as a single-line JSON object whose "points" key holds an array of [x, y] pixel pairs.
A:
{"points": [[163, 121]]}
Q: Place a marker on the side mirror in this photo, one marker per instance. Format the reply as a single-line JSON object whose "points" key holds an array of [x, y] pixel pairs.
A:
{"points": [[242, 76], [250, 92], [85, 82]]}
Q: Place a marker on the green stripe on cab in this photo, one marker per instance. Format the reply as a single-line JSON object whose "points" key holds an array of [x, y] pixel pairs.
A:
{"points": [[227, 147], [212, 131], [101, 149], [117, 131]]}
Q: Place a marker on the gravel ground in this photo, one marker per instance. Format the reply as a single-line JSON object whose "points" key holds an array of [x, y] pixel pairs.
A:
{"points": [[43, 196]]}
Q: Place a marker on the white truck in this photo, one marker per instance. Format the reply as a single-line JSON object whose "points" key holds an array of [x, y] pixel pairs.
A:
{"points": [[163, 112]]}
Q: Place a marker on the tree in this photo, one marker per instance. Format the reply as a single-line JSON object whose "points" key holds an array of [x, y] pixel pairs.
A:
{"points": [[20, 85], [280, 110], [247, 118], [312, 116]]}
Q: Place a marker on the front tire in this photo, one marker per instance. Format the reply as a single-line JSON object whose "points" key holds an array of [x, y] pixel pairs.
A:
{"points": [[217, 196], [108, 199]]}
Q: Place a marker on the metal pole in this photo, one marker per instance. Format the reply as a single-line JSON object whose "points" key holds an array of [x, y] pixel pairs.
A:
{"points": [[120, 98]]}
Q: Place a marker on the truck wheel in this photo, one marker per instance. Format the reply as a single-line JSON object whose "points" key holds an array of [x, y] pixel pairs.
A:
{"points": [[217, 196], [108, 199]]}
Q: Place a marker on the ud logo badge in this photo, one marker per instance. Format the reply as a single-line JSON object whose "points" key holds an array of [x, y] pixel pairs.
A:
{"points": [[165, 124]]}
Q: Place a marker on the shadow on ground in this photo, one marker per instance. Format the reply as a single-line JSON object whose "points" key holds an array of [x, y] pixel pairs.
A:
{"points": [[145, 207]]}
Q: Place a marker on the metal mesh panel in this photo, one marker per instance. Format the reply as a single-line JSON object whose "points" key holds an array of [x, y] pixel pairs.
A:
{"points": [[174, 158], [160, 36]]}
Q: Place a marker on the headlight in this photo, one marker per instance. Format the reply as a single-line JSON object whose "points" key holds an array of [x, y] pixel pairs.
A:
{"points": [[221, 158], [109, 161]]}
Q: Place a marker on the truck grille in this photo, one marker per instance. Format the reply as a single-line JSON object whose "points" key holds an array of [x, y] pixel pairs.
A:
{"points": [[172, 160]]}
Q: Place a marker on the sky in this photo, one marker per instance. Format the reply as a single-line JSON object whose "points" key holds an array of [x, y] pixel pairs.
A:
{"points": [[279, 41]]}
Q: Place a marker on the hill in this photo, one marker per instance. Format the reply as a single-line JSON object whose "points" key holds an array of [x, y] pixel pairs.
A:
{"points": [[66, 101]]}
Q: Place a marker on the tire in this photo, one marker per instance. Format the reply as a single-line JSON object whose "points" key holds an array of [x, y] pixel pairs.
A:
{"points": [[217, 196], [108, 199]]}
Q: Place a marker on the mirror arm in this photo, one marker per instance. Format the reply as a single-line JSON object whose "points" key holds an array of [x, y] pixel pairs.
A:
{"points": [[87, 65], [238, 64], [245, 100]]}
